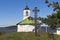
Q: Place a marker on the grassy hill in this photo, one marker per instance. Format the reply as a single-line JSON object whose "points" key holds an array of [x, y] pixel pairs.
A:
{"points": [[12, 26], [27, 36]]}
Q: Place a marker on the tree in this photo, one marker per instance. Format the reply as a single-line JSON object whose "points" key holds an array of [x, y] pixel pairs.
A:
{"points": [[30, 18], [54, 19]]}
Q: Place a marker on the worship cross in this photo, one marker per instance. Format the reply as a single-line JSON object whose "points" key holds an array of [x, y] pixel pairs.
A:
{"points": [[35, 11]]}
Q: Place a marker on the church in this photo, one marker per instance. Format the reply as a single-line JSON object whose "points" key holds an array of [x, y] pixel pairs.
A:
{"points": [[26, 25]]}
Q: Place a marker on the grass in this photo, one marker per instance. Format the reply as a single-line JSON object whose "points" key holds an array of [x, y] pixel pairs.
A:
{"points": [[27, 36], [1, 33]]}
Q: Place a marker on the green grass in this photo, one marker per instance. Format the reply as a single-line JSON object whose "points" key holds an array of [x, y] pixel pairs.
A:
{"points": [[27, 36], [1, 33]]}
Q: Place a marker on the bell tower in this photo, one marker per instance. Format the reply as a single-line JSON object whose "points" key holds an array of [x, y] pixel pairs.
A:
{"points": [[26, 12]]}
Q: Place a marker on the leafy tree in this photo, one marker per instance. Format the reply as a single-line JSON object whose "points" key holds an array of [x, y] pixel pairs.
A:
{"points": [[54, 19]]}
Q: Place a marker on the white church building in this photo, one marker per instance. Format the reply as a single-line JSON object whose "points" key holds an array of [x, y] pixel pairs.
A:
{"points": [[26, 25]]}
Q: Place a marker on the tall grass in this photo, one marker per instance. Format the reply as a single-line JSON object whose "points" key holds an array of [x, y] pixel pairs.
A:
{"points": [[27, 36]]}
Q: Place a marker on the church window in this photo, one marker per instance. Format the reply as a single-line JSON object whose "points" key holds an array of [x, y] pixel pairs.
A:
{"points": [[26, 13]]}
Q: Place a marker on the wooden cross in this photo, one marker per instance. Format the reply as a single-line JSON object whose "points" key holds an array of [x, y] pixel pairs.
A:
{"points": [[35, 11]]}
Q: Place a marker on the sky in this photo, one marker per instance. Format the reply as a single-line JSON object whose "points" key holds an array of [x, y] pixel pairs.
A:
{"points": [[11, 11]]}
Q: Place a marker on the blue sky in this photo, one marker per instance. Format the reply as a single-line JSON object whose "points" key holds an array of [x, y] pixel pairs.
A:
{"points": [[11, 11]]}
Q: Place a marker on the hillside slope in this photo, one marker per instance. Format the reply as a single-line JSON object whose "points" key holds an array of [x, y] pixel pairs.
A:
{"points": [[27, 36]]}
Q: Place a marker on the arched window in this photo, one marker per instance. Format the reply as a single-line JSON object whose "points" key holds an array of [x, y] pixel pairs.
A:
{"points": [[26, 13]]}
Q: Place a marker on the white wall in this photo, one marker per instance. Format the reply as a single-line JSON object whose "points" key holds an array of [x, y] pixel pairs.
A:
{"points": [[58, 32], [25, 28]]}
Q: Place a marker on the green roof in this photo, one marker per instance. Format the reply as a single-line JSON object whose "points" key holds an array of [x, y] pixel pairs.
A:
{"points": [[28, 21]]}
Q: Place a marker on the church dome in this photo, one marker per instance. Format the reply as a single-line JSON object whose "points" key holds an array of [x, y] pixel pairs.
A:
{"points": [[26, 8]]}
